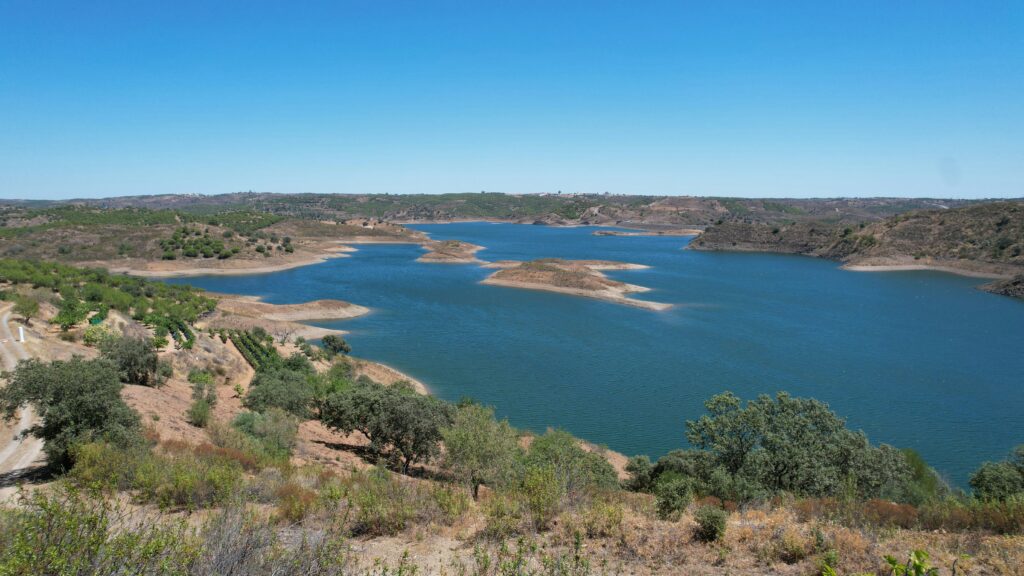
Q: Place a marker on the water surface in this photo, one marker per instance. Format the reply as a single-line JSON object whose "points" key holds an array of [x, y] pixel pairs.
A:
{"points": [[915, 359]]}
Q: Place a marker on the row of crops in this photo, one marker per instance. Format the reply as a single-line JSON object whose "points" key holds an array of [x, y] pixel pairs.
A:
{"points": [[181, 333], [255, 348]]}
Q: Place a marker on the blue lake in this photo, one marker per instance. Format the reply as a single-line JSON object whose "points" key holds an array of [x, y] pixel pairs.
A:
{"points": [[915, 359]]}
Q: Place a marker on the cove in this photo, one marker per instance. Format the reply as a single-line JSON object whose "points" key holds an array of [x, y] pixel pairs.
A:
{"points": [[915, 359]]}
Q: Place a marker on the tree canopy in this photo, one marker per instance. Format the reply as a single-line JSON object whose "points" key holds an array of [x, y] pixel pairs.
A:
{"points": [[77, 401]]}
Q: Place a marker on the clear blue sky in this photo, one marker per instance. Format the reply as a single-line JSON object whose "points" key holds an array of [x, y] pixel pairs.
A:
{"points": [[821, 98]]}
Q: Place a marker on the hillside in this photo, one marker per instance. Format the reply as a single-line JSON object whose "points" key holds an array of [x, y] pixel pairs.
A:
{"points": [[648, 211], [983, 239]]}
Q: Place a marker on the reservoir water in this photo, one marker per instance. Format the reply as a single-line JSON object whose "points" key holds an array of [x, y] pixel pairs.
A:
{"points": [[915, 359]]}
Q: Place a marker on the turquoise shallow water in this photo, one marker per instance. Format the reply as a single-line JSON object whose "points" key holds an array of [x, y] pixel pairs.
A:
{"points": [[916, 359]]}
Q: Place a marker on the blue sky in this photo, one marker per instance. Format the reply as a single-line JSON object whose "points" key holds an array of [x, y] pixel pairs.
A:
{"points": [[862, 98]]}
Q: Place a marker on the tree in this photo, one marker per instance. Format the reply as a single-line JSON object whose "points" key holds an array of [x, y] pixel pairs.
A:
{"points": [[134, 357], [478, 448], [397, 421], [26, 308], [784, 444], [290, 390], [1000, 480], [77, 401], [335, 345]]}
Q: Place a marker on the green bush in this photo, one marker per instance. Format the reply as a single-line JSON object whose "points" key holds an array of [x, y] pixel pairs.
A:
{"points": [[542, 493], [275, 429], [579, 473], [186, 480], [711, 522], [672, 496], [68, 533], [199, 413]]}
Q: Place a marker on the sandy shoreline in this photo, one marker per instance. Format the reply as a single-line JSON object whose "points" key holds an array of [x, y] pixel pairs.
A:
{"points": [[591, 264], [928, 267], [680, 232], [172, 272]]}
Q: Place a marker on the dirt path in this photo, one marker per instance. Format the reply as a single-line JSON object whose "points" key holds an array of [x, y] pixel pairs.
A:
{"points": [[21, 454]]}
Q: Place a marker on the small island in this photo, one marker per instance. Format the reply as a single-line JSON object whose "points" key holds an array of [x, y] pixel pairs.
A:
{"points": [[576, 277], [450, 252]]}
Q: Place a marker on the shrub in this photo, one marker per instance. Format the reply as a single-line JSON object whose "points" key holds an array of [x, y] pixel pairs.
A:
{"points": [[95, 334], [275, 429], [602, 518], [199, 413], [579, 473], [294, 502], [542, 494], [711, 523], [382, 506], [672, 496], [188, 480], [503, 514], [66, 532]]}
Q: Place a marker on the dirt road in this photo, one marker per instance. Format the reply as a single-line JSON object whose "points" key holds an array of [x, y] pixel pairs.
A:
{"points": [[19, 454]]}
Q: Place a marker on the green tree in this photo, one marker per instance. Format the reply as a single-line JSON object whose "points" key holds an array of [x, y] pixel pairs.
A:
{"points": [[134, 357], [290, 390], [397, 421], [478, 448], [997, 481], [26, 308], [787, 444], [335, 345], [77, 401]]}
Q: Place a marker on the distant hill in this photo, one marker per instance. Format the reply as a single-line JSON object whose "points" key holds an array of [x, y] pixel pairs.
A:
{"points": [[983, 238], [602, 209]]}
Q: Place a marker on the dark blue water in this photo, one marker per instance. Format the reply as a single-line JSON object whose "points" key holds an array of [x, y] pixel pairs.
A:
{"points": [[915, 359]]}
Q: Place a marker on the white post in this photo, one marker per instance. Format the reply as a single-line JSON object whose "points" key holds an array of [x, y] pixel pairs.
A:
{"points": [[21, 333]]}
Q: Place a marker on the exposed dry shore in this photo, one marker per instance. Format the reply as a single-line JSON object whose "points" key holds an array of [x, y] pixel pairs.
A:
{"points": [[450, 252], [680, 232], [183, 268], [280, 320], [970, 269], [574, 277]]}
